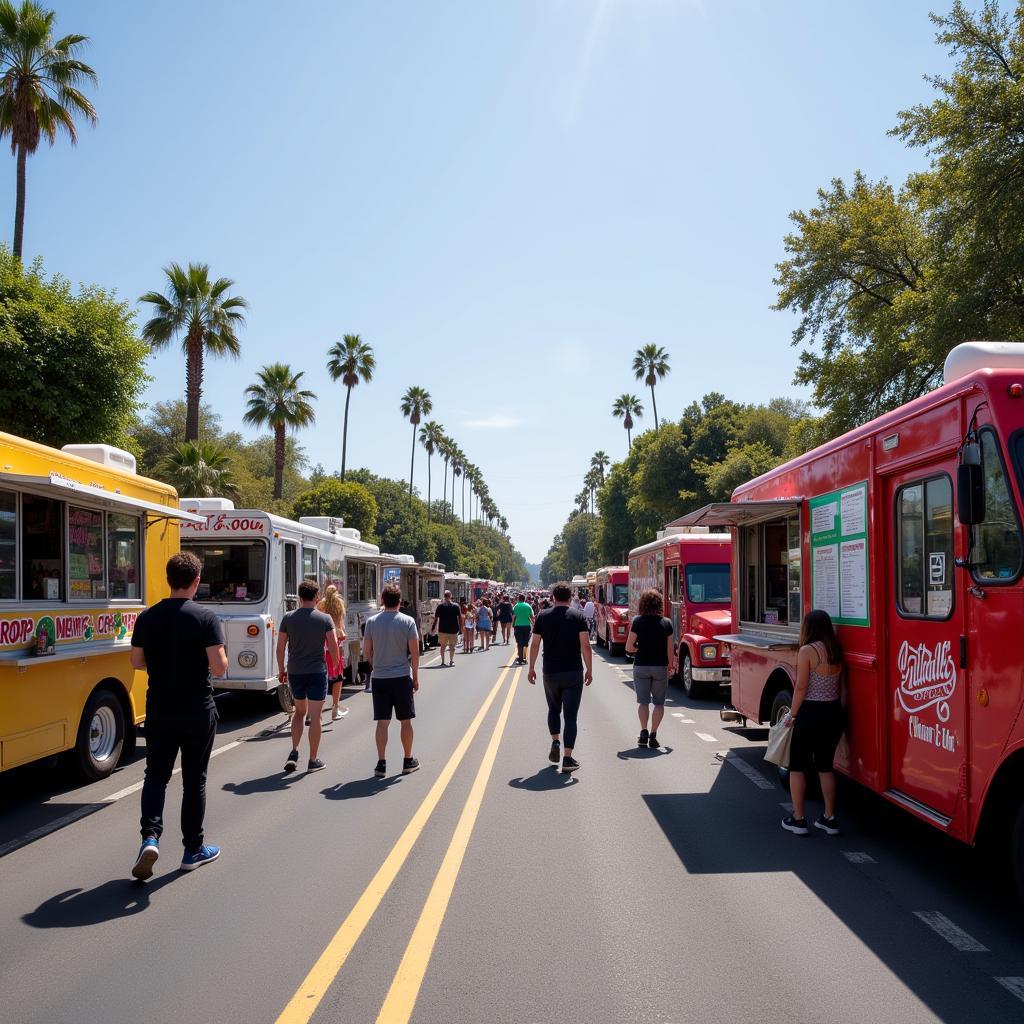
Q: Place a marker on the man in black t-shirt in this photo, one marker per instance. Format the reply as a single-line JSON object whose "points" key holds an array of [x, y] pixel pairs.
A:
{"points": [[654, 658], [447, 625], [565, 636], [180, 644]]}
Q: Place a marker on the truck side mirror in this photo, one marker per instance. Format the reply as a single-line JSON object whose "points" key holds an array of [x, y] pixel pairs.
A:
{"points": [[970, 494]]}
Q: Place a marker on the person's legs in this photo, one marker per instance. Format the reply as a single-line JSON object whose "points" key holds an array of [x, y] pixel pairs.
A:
{"points": [[381, 737], [643, 711], [161, 751], [298, 721], [196, 745], [553, 696], [571, 698], [828, 793], [797, 792], [336, 693], [315, 728], [405, 731], [657, 714], [659, 690]]}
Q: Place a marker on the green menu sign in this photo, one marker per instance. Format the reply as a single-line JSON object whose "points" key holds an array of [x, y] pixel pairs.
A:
{"points": [[839, 554]]}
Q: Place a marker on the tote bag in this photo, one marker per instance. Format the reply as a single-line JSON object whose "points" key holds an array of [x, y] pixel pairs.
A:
{"points": [[780, 739]]}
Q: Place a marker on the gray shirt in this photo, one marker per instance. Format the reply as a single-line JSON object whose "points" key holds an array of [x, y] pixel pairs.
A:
{"points": [[391, 633], [306, 629]]}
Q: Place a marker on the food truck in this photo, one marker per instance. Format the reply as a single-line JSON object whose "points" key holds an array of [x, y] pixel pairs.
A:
{"points": [[84, 543], [458, 583], [253, 562], [421, 586], [907, 531], [691, 568], [611, 605]]}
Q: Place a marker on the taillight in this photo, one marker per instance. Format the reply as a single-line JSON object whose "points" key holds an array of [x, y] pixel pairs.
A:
{"points": [[253, 630]]}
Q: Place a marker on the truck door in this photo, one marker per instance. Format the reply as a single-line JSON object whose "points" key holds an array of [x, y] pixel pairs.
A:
{"points": [[291, 575], [927, 682], [674, 594]]}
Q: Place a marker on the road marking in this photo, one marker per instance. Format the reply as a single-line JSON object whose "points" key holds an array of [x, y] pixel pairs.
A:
{"points": [[858, 857], [310, 993], [953, 934], [786, 806], [706, 737], [86, 809], [746, 770], [405, 988], [1013, 985]]}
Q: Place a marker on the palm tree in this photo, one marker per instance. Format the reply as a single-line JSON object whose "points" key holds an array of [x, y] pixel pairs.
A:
{"points": [[39, 88], [600, 462], [503, 523], [277, 400], [650, 364], [591, 482], [625, 408], [198, 469], [445, 448], [207, 318], [431, 437], [416, 403], [582, 499], [350, 360], [458, 461]]}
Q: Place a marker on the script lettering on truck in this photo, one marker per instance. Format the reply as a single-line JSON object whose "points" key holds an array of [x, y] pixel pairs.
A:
{"points": [[223, 522], [927, 679]]}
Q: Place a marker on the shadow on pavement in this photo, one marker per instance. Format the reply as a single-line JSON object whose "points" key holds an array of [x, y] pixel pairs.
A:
{"points": [[643, 753], [546, 779], [81, 908], [359, 788], [276, 783]]}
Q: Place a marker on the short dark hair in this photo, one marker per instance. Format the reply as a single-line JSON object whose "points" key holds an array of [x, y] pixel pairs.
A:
{"points": [[651, 602], [308, 589], [561, 591], [391, 596], [183, 569]]}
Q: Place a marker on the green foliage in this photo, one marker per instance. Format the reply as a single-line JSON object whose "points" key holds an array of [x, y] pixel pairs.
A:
{"points": [[198, 469], [573, 551], [351, 501], [73, 369]]}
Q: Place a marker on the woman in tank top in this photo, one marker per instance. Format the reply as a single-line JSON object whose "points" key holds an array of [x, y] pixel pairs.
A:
{"points": [[817, 719]]}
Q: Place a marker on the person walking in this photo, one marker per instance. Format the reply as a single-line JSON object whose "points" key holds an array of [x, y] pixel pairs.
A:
{"points": [[522, 624], [654, 657], [504, 617], [483, 624], [333, 604], [303, 631], [590, 614], [393, 648], [447, 625], [567, 666], [817, 720], [468, 627], [180, 644]]}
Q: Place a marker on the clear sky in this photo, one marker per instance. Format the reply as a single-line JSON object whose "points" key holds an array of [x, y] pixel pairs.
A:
{"points": [[504, 197]]}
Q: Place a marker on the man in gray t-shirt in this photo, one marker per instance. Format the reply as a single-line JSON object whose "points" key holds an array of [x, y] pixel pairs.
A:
{"points": [[391, 645]]}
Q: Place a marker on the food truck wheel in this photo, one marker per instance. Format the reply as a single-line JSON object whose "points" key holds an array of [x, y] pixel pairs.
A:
{"points": [[285, 699], [100, 736], [690, 688]]}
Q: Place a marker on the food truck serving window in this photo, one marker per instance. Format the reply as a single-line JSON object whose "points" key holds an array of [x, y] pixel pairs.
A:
{"points": [[362, 581], [924, 548], [8, 545], [770, 564], [706, 583], [232, 573], [997, 549]]}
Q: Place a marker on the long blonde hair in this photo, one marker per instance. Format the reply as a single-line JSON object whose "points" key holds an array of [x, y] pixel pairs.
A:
{"points": [[333, 604]]}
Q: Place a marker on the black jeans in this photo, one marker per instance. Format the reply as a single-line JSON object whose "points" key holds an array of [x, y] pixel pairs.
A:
{"points": [[193, 733], [564, 691], [522, 640]]}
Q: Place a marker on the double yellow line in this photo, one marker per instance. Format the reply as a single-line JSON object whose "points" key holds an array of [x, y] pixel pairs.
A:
{"points": [[405, 987]]}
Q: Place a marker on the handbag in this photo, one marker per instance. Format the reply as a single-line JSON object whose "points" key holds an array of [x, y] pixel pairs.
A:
{"points": [[780, 739]]}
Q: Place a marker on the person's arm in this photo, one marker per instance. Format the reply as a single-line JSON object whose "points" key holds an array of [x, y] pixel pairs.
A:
{"points": [[673, 664], [534, 651], [137, 654], [631, 638], [217, 659], [414, 658], [282, 642], [333, 647], [588, 657], [803, 672], [138, 658], [368, 645]]}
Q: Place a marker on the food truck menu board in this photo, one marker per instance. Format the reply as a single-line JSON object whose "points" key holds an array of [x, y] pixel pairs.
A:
{"points": [[839, 554]]}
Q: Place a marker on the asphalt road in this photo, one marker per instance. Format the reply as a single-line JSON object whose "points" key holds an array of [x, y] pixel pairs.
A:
{"points": [[653, 887]]}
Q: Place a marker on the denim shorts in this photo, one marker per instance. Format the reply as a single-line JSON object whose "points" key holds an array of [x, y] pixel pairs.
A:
{"points": [[308, 686]]}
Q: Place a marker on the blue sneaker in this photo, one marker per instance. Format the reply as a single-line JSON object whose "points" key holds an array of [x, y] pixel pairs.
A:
{"points": [[202, 856], [149, 852]]}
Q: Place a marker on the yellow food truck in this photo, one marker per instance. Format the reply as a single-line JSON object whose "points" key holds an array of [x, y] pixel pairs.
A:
{"points": [[83, 545]]}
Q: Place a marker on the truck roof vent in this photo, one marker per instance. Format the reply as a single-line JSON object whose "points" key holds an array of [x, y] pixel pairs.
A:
{"points": [[971, 356], [104, 454], [207, 504]]}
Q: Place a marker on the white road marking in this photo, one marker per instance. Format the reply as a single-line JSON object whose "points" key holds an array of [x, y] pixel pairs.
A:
{"points": [[858, 857], [706, 737], [953, 934], [786, 806], [1013, 985], [748, 771], [682, 718]]}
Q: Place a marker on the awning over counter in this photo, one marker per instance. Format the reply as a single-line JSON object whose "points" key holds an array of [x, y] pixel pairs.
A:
{"points": [[739, 513], [65, 489]]}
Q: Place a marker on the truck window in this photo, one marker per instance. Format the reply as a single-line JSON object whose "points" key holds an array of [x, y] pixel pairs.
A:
{"points": [[232, 573], [309, 563], [123, 563], [620, 593], [42, 549], [708, 583], [673, 583], [997, 547], [86, 570], [770, 580], [433, 590], [924, 556], [8, 545]]}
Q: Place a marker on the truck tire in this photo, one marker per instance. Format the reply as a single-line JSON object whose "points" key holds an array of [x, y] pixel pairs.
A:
{"points": [[614, 649], [100, 736], [285, 700], [780, 708], [692, 689]]}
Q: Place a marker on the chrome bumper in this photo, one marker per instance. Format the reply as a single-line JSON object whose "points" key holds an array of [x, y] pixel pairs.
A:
{"points": [[710, 675]]}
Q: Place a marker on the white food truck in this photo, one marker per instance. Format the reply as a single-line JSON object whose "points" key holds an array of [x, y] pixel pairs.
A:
{"points": [[253, 563], [421, 585], [458, 583]]}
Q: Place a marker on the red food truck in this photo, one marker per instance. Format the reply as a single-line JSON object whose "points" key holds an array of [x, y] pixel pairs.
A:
{"points": [[691, 567], [611, 607], [907, 530]]}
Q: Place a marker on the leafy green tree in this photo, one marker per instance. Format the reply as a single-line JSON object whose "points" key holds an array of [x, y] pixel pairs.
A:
{"points": [[205, 316], [199, 469], [163, 429], [416, 403], [350, 360], [651, 364], [431, 437], [74, 370], [348, 500], [625, 408], [277, 400], [40, 88]]}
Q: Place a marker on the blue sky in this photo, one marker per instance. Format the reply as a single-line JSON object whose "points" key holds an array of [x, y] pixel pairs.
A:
{"points": [[504, 197]]}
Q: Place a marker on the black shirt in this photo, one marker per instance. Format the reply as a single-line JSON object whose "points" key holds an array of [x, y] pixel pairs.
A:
{"points": [[448, 617], [651, 633], [505, 611], [559, 629], [174, 635]]}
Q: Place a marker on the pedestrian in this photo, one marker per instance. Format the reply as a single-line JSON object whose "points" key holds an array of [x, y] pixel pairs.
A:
{"points": [[303, 632], [333, 604], [447, 625], [180, 644], [468, 627], [483, 624], [504, 617], [393, 649], [817, 720], [522, 624], [590, 613], [567, 668], [654, 658]]}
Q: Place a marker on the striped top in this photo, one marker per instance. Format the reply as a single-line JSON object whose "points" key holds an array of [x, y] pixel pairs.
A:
{"points": [[821, 686]]}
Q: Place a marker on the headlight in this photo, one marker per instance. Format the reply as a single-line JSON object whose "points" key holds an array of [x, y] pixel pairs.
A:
{"points": [[247, 659], [708, 652], [624, 616], [252, 630]]}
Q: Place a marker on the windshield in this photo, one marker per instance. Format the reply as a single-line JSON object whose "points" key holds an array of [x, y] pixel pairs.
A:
{"points": [[620, 593], [708, 583], [232, 573]]}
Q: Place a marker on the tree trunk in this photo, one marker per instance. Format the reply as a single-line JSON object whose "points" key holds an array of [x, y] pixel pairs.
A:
{"points": [[463, 504], [444, 491], [19, 204], [428, 488], [629, 439], [655, 404], [278, 460], [344, 434], [193, 386], [412, 462]]}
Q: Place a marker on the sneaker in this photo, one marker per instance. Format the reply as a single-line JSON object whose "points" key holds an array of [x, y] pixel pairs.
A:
{"points": [[828, 825], [643, 739], [555, 753], [569, 764], [798, 826], [410, 765], [204, 855], [293, 761], [149, 851], [338, 714], [308, 722], [652, 741], [381, 770], [315, 765]]}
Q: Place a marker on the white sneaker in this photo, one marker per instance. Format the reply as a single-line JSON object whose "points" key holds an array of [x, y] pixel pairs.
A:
{"points": [[338, 713]]}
